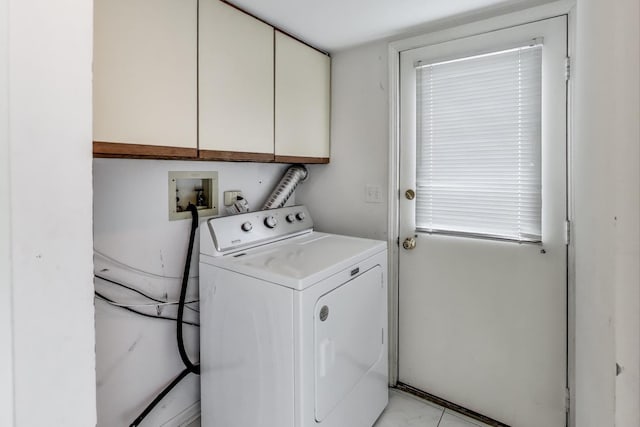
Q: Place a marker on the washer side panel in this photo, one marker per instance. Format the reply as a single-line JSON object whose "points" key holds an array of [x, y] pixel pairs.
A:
{"points": [[246, 350]]}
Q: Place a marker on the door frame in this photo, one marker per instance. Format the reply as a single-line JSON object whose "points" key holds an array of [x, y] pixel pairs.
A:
{"points": [[550, 10]]}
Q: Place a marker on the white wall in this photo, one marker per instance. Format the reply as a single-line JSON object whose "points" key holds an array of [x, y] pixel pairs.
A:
{"points": [[49, 66], [625, 128], [6, 330], [607, 212], [131, 225], [335, 193]]}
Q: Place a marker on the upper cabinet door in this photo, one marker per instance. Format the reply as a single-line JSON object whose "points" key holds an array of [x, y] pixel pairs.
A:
{"points": [[302, 114], [235, 84], [144, 79]]}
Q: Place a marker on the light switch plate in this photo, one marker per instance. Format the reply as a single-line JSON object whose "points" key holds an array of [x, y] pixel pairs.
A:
{"points": [[373, 194]]}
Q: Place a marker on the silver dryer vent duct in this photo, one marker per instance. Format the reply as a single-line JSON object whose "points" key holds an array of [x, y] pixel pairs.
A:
{"points": [[285, 188]]}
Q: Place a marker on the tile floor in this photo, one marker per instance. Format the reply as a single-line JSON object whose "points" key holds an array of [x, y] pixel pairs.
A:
{"points": [[405, 410]]}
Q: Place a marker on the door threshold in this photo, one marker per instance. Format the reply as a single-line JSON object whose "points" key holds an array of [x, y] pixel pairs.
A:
{"points": [[448, 405]]}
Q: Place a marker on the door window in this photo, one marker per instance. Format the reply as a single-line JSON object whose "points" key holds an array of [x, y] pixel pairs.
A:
{"points": [[478, 123]]}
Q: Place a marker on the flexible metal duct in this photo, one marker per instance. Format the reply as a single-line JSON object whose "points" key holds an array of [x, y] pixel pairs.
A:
{"points": [[287, 185]]}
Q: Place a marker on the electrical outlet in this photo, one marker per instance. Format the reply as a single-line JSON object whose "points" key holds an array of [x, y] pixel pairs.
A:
{"points": [[372, 194], [230, 197]]}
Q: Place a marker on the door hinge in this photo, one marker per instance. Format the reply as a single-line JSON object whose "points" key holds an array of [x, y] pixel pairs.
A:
{"points": [[567, 400], [567, 68], [567, 229]]}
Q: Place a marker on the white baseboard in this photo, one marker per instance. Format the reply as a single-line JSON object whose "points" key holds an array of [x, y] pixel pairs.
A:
{"points": [[185, 418]]}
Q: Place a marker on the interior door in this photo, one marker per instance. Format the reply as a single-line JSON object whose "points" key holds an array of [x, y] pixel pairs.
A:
{"points": [[483, 321]]}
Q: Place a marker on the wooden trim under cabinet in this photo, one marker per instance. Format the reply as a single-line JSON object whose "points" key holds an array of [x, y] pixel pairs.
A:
{"points": [[234, 156], [139, 151], [308, 160]]}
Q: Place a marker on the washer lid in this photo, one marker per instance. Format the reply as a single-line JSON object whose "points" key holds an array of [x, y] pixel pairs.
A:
{"points": [[300, 261]]}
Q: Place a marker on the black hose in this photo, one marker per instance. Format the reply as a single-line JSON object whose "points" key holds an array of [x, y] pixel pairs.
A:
{"points": [[159, 397], [183, 293], [190, 366]]}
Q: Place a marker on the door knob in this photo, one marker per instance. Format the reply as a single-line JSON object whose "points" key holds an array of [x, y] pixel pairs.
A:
{"points": [[410, 194], [409, 243]]}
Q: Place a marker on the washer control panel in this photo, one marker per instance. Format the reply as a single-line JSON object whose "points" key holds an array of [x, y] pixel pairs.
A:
{"points": [[243, 231], [270, 221]]}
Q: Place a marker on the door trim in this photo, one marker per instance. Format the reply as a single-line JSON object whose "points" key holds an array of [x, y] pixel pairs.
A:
{"points": [[550, 10]]}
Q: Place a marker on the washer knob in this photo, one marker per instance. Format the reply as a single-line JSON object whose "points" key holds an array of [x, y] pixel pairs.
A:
{"points": [[291, 218], [270, 222], [246, 226], [300, 216]]}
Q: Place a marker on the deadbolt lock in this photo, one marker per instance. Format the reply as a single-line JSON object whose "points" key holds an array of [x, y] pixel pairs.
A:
{"points": [[410, 194], [409, 243]]}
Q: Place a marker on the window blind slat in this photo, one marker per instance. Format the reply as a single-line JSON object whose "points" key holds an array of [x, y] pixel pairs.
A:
{"points": [[478, 150]]}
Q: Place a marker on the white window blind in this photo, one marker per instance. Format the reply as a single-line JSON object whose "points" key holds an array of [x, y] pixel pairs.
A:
{"points": [[478, 145]]}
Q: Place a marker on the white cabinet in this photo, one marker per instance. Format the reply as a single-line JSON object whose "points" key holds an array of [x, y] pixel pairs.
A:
{"points": [[302, 104], [235, 84], [201, 79], [144, 87]]}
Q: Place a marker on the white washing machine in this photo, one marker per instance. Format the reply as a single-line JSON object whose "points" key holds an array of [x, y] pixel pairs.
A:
{"points": [[293, 323]]}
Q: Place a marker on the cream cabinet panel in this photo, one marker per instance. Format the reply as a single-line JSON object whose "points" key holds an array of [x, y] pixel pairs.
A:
{"points": [[145, 70], [302, 112], [235, 83]]}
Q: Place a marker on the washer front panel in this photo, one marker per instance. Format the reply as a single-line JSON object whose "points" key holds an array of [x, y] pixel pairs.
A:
{"points": [[349, 338], [361, 405]]}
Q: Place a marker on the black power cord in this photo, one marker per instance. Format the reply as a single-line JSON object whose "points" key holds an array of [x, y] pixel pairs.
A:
{"points": [[159, 397], [139, 292], [122, 285], [151, 316], [190, 366]]}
